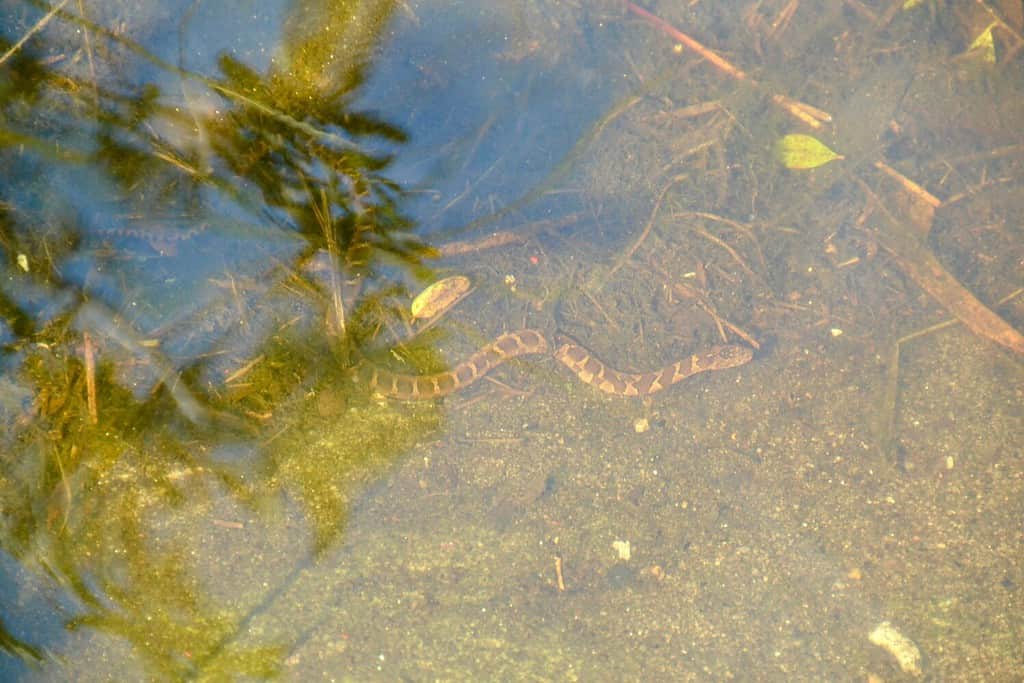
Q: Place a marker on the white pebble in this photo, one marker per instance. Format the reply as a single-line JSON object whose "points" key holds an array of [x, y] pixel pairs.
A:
{"points": [[907, 655]]}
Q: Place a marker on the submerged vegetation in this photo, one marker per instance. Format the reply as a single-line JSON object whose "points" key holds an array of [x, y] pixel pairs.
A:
{"points": [[138, 369]]}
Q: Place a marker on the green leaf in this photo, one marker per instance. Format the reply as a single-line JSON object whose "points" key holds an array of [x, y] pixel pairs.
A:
{"points": [[802, 152]]}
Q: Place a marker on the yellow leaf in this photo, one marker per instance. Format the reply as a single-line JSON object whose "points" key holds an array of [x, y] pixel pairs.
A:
{"points": [[985, 45], [439, 297], [802, 152]]}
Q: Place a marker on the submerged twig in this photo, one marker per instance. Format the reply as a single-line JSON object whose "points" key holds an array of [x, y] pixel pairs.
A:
{"points": [[647, 228], [668, 29], [812, 116], [723, 322], [909, 185], [244, 370], [725, 245], [742, 227], [495, 239], [887, 419], [90, 378], [920, 264], [559, 578], [87, 43], [32, 31], [701, 300]]}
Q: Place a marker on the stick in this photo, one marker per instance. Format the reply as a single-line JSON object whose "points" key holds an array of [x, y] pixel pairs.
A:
{"points": [[812, 116], [497, 239], [909, 185], [558, 574], [647, 228], [887, 428], [725, 245], [920, 264], [90, 379], [720, 321], [671, 31], [32, 31]]}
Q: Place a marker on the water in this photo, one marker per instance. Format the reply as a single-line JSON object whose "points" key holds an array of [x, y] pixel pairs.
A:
{"points": [[211, 212]]}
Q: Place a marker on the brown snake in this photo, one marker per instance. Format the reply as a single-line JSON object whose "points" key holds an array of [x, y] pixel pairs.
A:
{"points": [[578, 359]]}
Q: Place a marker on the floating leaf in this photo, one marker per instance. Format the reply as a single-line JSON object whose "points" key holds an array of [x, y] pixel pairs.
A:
{"points": [[439, 297], [802, 152]]}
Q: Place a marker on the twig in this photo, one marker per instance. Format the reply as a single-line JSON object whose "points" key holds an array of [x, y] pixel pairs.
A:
{"points": [[694, 110], [812, 116], [521, 235], [920, 264], [783, 19], [895, 6], [600, 308], [722, 322], [668, 29], [559, 579], [890, 396], [647, 228], [508, 388], [953, 199], [87, 42], [496, 239], [725, 245], [742, 227], [32, 31], [90, 379], [237, 374], [693, 295], [909, 185]]}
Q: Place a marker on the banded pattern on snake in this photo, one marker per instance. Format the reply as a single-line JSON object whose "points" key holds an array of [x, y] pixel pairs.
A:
{"points": [[577, 358]]}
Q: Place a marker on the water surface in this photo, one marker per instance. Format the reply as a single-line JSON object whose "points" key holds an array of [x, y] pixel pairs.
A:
{"points": [[211, 212]]}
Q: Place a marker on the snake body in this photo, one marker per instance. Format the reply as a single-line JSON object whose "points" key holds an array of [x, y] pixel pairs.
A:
{"points": [[587, 367], [593, 371]]}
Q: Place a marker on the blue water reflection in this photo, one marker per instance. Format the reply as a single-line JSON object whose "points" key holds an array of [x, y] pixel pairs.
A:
{"points": [[185, 205]]}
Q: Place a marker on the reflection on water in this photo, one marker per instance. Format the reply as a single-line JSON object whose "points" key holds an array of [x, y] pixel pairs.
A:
{"points": [[174, 244], [204, 230]]}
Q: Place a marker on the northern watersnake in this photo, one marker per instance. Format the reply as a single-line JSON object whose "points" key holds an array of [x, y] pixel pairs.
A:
{"points": [[587, 367]]}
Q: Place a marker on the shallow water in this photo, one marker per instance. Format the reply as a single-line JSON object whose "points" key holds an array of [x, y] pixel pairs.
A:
{"points": [[210, 213]]}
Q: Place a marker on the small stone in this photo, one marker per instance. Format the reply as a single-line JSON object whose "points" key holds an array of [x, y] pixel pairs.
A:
{"points": [[907, 655]]}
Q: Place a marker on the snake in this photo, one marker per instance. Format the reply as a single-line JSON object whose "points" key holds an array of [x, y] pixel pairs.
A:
{"points": [[587, 367]]}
